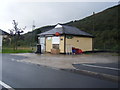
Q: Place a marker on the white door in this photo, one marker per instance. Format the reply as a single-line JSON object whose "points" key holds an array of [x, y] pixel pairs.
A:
{"points": [[42, 43]]}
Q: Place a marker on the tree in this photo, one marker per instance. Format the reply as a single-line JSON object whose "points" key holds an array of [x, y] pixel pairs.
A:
{"points": [[15, 33]]}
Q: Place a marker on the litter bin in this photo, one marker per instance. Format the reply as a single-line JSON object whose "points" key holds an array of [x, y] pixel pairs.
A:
{"points": [[38, 49]]}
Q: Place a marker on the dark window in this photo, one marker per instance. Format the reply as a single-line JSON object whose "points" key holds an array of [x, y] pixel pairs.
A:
{"points": [[61, 39], [56, 46]]}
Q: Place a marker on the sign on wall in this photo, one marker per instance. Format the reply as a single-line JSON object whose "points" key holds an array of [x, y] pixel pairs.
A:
{"points": [[55, 40], [69, 37]]}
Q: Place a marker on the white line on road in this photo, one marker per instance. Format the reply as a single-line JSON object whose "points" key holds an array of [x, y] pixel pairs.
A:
{"points": [[13, 59], [101, 67], [6, 86]]}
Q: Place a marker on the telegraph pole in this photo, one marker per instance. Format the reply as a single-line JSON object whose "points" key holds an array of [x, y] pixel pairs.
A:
{"points": [[93, 22], [33, 27], [93, 28]]}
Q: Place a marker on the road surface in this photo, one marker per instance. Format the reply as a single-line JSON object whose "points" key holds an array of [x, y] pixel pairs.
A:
{"points": [[107, 68], [26, 75]]}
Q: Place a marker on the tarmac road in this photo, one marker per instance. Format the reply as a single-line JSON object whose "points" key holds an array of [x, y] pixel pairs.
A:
{"points": [[107, 68], [0, 87], [26, 75]]}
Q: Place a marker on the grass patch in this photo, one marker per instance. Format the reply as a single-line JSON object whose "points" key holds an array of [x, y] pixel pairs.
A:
{"points": [[19, 50]]}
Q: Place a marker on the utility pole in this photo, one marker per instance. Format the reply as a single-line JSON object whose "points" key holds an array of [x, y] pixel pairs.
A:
{"points": [[33, 27], [93, 22], [93, 28]]}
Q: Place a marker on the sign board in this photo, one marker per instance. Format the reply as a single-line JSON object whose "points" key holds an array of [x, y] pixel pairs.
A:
{"points": [[55, 40], [69, 37]]}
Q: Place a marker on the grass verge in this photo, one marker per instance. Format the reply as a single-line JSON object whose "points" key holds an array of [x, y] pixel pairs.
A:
{"points": [[19, 50]]}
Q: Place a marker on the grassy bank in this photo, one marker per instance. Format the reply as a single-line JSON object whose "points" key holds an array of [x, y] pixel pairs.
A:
{"points": [[19, 50]]}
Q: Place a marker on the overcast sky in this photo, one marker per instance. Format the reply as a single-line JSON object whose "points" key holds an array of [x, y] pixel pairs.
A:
{"points": [[46, 13]]}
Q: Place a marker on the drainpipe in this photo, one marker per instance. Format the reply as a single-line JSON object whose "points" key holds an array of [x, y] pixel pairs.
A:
{"points": [[64, 40], [64, 43]]}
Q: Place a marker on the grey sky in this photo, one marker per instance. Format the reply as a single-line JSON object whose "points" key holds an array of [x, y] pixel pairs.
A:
{"points": [[47, 13]]}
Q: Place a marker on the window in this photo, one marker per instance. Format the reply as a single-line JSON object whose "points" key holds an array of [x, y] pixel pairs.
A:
{"points": [[56, 46]]}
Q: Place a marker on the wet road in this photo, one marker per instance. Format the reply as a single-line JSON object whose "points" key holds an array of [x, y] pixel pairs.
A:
{"points": [[0, 87], [108, 68], [26, 75]]}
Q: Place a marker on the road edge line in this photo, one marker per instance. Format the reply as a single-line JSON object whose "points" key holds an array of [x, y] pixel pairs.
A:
{"points": [[6, 86]]}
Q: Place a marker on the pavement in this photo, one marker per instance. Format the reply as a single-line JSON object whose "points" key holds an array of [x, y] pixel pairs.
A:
{"points": [[66, 61], [27, 75], [95, 64]]}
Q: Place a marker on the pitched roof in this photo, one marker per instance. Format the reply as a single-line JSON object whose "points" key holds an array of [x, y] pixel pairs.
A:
{"points": [[3, 32], [64, 29]]}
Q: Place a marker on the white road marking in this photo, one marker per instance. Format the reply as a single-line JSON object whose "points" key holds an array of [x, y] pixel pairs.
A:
{"points": [[13, 59], [101, 67], [6, 86]]}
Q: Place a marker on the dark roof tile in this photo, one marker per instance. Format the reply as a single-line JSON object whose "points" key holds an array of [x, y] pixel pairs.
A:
{"points": [[66, 30]]}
